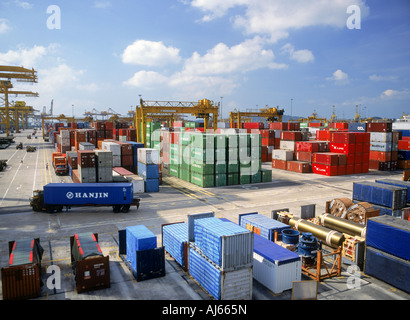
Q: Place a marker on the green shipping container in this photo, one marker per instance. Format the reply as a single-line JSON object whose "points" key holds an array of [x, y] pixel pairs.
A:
{"points": [[244, 140], [244, 179], [233, 141], [221, 141], [232, 179], [203, 180], [174, 170], [221, 167], [266, 175], [202, 168], [204, 141], [256, 178], [221, 155], [220, 180], [185, 175], [233, 167]]}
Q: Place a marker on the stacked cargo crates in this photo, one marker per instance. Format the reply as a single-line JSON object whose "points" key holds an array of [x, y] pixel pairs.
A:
{"points": [[387, 255], [201, 159], [72, 158], [403, 156], [153, 136], [138, 248], [262, 225], [104, 165], [148, 168], [175, 240], [86, 162], [383, 146], [221, 259]]}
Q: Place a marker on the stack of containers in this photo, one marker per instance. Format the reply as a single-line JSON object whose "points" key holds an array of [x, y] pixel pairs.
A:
{"points": [[153, 134], [135, 146], [91, 136], [221, 160], [108, 127], [184, 159], [87, 172], [99, 127], [104, 165], [262, 225], [174, 155], [148, 168], [304, 150], [115, 148], [383, 147], [387, 254], [86, 146], [202, 161], [174, 238], [232, 164], [72, 157], [403, 155], [221, 259], [127, 155], [79, 136], [389, 199], [65, 140]]}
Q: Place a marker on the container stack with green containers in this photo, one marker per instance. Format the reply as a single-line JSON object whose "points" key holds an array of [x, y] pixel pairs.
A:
{"points": [[202, 162], [153, 137], [221, 157]]}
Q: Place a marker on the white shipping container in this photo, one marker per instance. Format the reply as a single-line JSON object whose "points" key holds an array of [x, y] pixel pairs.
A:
{"points": [[116, 161], [237, 284], [287, 145], [381, 136], [104, 158], [65, 134], [115, 148], [276, 278], [148, 156], [86, 146], [104, 174], [380, 146], [279, 154], [87, 175], [137, 183]]}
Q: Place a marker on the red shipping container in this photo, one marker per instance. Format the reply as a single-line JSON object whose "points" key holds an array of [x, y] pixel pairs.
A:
{"points": [[365, 157], [291, 135], [405, 138], [341, 125], [357, 158], [127, 160], [350, 169], [108, 125], [359, 147], [358, 168], [343, 137], [403, 164], [366, 147], [342, 159], [312, 146], [304, 156], [350, 158], [279, 164], [342, 148], [294, 126], [365, 167], [404, 144], [265, 141], [379, 127], [298, 166], [315, 124], [86, 158], [323, 135], [326, 158], [324, 169], [341, 170], [394, 155], [380, 156], [278, 126], [359, 137], [253, 125]]}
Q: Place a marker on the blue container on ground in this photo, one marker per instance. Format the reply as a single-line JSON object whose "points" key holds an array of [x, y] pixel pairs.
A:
{"points": [[380, 194], [138, 238], [267, 226], [151, 185], [174, 237], [403, 184], [148, 171]]}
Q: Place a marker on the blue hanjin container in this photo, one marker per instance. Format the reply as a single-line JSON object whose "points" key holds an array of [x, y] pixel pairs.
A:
{"points": [[138, 238]]}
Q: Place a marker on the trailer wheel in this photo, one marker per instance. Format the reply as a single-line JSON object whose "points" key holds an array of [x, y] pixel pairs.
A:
{"points": [[125, 208], [116, 208], [49, 209]]}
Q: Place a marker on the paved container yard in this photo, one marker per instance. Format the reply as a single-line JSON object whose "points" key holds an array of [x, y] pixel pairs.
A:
{"points": [[175, 201]]}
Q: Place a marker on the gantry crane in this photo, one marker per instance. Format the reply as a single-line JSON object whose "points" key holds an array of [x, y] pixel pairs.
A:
{"points": [[270, 114], [20, 74], [202, 109], [18, 111], [313, 117]]}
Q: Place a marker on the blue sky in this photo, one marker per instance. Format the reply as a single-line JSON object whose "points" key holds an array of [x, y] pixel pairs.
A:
{"points": [[252, 53]]}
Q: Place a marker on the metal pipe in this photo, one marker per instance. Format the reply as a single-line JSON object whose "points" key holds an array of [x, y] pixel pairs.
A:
{"points": [[332, 238], [343, 225]]}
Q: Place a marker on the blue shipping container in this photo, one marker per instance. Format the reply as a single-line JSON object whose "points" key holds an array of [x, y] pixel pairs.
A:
{"points": [[380, 194], [88, 193], [387, 268], [403, 155], [173, 238], [403, 184], [151, 185], [267, 226], [405, 133], [138, 238], [389, 234], [148, 171], [357, 127]]}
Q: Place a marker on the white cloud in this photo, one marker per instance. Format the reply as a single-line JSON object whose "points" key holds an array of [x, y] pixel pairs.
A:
{"points": [[150, 53], [102, 4], [23, 4], [301, 56], [25, 57], [277, 18], [146, 79], [390, 94], [339, 77], [4, 26], [221, 59], [375, 77]]}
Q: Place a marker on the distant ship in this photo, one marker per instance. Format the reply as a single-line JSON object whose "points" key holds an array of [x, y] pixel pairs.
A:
{"points": [[402, 123]]}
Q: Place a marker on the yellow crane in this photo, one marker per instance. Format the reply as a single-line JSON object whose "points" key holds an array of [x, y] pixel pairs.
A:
{"points": [[270, 114], [147, 109], [20, 74]]}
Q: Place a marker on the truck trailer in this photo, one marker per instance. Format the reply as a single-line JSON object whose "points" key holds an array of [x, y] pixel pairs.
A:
{"points": [[55, 196]]}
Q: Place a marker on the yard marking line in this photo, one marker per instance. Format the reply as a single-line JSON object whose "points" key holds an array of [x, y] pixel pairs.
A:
{"points": [[35, 172], [12, 180]]}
